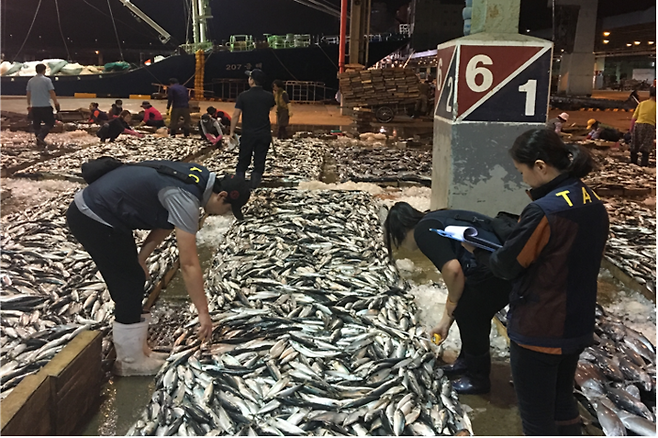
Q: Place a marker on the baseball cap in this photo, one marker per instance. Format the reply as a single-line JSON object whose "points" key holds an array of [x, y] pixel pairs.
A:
{"points": [[237, 190], [256, 74], [590, 123]]}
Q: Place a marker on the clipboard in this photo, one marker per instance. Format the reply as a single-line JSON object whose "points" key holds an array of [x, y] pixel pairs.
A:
{"points": [[468, 235]]}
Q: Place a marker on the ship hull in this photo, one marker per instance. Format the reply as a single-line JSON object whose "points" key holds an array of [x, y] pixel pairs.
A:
{"points": [[313, 64]]}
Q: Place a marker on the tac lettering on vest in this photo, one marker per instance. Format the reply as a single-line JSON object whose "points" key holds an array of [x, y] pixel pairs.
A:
{"points": [[586, 196]]}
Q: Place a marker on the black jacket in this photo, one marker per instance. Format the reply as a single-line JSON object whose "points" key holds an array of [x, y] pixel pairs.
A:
{"points": [[553, 259]]}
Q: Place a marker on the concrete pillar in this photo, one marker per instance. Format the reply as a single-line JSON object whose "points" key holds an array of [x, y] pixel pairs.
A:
{"points": [[359, 14], [491, 87], [577, 68], [495, 16]]}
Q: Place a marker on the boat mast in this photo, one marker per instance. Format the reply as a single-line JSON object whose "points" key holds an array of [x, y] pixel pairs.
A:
{"points": [[200, 15]]}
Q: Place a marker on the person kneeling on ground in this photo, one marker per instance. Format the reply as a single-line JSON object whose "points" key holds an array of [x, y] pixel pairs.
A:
{"points": [[120, 125], [116, 109], [97, 116], [556, 123], [152, 117], [599, 131], [149, 196], [474, 293], [210, 126]]}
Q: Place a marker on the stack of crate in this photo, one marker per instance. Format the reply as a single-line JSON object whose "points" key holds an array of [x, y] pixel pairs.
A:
{"points": [[362, 119], [379, 87]]}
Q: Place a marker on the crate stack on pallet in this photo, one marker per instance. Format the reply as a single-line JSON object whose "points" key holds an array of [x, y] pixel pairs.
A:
{"points": [[362, 119], [379, 87]]}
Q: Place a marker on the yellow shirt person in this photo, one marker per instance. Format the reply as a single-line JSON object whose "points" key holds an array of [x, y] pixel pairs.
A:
{"points": [[646, 112]]}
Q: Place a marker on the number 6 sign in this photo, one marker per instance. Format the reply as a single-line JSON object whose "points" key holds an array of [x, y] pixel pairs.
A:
{"points": [[497, 81]]}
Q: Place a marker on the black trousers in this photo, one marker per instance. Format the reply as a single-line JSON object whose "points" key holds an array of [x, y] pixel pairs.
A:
{"points": [[256, 145], [176, 115], [155, 123], [478, 304], [282, 122], [544, 389], [42, 114], [115, 255]]}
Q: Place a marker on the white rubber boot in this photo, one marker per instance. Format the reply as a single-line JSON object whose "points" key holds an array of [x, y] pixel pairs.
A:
{"points": [[147, 350], [129, 345]]}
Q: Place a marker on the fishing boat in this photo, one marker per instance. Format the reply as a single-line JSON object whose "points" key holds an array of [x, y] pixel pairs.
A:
{"points": [[316, 63]]}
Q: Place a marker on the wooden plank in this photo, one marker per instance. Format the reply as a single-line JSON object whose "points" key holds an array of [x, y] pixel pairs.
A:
{"points": [[27, 410], [155, 292], [77, 366]]}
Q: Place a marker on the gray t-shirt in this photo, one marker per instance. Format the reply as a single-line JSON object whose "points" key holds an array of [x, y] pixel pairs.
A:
{"points": [[39, 87], [183, 207]]}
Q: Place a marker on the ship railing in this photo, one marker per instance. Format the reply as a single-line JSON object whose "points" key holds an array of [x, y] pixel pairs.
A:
{"points": [[308, 91], [226, 89]]}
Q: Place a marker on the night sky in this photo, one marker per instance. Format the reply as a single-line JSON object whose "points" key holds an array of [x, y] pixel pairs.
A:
{"points": [[86, 23]]}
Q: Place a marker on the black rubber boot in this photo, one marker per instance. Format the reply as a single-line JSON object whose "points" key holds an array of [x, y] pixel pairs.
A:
{"points": [[255, 180], [457, 367], [476, 380], [644, 162], [633, 157]]}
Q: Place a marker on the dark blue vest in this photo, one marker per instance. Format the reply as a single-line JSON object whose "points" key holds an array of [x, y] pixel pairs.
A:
{"points": [[552, 304], [127, 197]]}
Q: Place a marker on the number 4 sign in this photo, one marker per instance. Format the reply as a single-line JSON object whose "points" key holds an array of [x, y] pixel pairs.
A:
{"points": [[504, 81]]}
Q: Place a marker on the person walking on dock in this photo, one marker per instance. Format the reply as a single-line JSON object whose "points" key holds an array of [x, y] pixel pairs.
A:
{"points": [[40, 91], [160, 196], [254, 105], [179, 104]]}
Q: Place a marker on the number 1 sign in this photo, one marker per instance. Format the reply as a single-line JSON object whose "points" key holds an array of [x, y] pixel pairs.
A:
{"points": [[493, 81]]}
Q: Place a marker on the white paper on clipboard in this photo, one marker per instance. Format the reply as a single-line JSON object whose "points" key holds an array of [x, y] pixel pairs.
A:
{"points": [[468, 235]]}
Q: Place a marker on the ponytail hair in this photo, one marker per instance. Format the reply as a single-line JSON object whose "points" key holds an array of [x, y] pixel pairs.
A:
{"points": [[546, 145], [401, 218]]}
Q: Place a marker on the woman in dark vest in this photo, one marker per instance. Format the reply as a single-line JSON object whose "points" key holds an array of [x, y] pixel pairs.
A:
{"points": [[97, 116], [474, 294], [553, 258]]}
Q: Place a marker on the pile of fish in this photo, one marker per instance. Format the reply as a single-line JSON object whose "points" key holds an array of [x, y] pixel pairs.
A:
{"points": [[383, 164], [617, 378], [128, 149], [615, 173], [315, 334], [19, 150], [51, 289], [288, 161], [632, 241]]}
